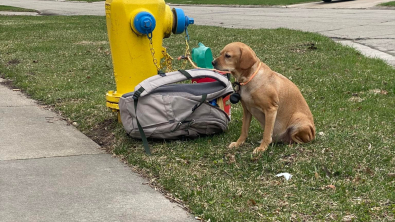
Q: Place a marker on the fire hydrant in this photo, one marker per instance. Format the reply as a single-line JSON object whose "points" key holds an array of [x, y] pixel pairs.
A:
{"points": [[136, 29]]}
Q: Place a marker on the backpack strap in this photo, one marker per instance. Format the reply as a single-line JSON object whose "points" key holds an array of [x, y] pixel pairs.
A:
{"points": [[136, 96], [185, 73], [202, 100], [156, 81], [204, 97]]}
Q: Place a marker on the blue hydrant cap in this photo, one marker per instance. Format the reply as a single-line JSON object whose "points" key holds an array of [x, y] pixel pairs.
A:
{"points": [[181, 21], [144, 22]]}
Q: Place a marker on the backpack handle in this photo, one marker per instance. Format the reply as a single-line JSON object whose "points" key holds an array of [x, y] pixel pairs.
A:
{"points": [[151, 83]]}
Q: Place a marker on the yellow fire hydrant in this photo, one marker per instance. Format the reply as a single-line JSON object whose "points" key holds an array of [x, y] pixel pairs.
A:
{"points": [[136, 29]]}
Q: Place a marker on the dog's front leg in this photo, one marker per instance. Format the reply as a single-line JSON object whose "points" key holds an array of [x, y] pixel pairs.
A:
{"points": [[245, 127], [270, 118]]}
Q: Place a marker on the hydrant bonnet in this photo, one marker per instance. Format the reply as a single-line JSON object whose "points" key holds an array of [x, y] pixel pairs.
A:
{"points": [[144, 23]]}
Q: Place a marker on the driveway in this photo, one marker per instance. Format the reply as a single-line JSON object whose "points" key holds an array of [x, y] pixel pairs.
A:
{"points": [[370, 30]]}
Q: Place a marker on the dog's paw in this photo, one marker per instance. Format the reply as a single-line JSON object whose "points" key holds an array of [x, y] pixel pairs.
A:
{"points": [[233, 145], [258, 150]]}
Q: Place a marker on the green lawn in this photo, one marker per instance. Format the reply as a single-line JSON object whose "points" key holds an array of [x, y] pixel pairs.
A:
{"points": [[391, 4], [15, 9], [346, 173]]}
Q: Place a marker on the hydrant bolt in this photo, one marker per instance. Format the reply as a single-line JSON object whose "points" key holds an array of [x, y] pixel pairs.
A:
{"points": [[147, 23]]}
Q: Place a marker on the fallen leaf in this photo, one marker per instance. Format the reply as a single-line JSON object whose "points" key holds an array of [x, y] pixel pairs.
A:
{"points": [[391, 174], [231, 158], [384, 92], [333, 187], [378, 91], [356, 99], [356, 179], [375, 208], [349, 218], [316, 175], [251, 202], [375, 91], [369, 171]]}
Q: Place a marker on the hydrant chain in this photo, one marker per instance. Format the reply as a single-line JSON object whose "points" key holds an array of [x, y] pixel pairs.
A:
{"points": [[154, 60], [186, 34], [167, 61], [187, 53], [149, 35]]}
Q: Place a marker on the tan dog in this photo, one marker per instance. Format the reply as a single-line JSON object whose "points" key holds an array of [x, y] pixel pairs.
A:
{"points": [[270, 97]]}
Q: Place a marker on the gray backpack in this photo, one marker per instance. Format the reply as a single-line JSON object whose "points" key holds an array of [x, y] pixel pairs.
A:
{"points": [[160, 109]]}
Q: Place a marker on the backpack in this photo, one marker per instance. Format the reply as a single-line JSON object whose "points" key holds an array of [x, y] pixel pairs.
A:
{"points": [[160, 109]]}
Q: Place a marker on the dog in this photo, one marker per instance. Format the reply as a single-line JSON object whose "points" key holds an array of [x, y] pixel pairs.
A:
{"points": [[271, 98]]}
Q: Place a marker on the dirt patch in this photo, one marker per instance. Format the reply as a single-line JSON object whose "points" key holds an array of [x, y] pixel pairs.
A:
{"points": [[7, 83], [302, 48], [103, 134], [13, 62]]}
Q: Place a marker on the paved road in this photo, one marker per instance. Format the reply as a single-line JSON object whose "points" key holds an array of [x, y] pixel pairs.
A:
{"points": [[370, 30]]}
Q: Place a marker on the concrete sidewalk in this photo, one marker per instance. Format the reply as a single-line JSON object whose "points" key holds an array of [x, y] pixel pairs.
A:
{"points": [[49, 171]]}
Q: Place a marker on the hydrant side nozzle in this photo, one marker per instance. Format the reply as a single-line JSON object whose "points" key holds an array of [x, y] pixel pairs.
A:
{"points": [[181, 21]]}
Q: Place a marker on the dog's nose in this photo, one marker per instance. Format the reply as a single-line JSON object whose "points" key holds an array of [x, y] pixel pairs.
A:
{"points": [[213, 63]]}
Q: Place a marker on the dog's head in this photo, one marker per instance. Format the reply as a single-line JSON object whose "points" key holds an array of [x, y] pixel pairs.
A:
{"points": [[237, 58]]}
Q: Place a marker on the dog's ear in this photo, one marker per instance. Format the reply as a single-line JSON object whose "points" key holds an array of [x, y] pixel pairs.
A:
{"points": [[247, 57]]}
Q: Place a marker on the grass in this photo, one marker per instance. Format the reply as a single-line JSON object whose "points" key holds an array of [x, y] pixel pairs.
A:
{"points": [[15, 9], [346, 173], [390, 4]]}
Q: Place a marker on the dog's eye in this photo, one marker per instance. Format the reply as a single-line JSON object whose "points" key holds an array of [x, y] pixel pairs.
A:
{"points": [[227, 56]]}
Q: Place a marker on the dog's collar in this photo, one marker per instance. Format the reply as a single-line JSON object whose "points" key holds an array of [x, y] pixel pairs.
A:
{"points": [[236, 86], [252, 76]]}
